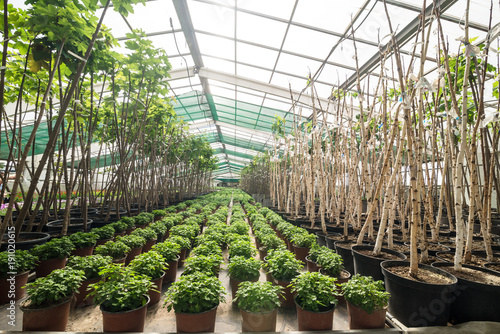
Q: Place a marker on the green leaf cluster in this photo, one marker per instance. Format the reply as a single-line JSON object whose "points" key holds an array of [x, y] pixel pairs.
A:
{"points": [[23, 261], [56, 248], [151, 264], [90, 265], [365, 293], [243, 268], [314, 291], [258, 297]]}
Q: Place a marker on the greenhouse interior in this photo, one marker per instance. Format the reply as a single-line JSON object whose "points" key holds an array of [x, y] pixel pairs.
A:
{"points": [[250, 166]]}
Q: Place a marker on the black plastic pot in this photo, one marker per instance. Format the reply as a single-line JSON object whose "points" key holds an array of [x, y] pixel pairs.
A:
{"points": [[474, 301], [346, 254], [321, 237], [338, 229], [36, 238], [75, 224], [418, 304], [368, 265]]}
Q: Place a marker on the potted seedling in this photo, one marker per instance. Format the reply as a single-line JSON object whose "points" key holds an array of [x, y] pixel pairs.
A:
{"points": [[119, 227], [312, 258], [315, 297], [170, 253], [52, 255], [161, 230], [143, 219], [241, 269], [185, 246], [14, 270], [302, 243], [129, 222], [135, 243], [283, 267], [195, 299], [117, 250], [367, 302], [331, 264], [152, 265], [84, 243], [258, 303], [241, 247], [104, 234], [268, 242], [208, 264], [158, 214], [49, 299], [149, 235], [91, 266], [123, 296], [185, 230], [208, 247]]}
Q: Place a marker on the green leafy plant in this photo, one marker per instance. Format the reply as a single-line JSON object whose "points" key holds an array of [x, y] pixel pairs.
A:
{"points": [[169, 250], [169, 222], [118, 226], [181, 241], [133, 241], [365, 293], [19, 262], [331, 263], [244, 269], [83, 239], [121, 289], [209, 264], [316, 251], [141, 220], [104, 233], [146, 233], [271, 241], [90, 265], [239, 227], [56, 248], [53, 288], [149, 217], [151, 264], [283, 265], [305, 239], [315, 292], [129, 221], [207, 248], [117, 250], [185, 230], [241, 248], [158, 213], [258, 297], [194, 293], [159, 228]]}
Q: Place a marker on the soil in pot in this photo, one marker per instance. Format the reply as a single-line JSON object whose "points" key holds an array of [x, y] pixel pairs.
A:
{"points": [[196, 322], [421, 301], [368, 265], [128, 321], [53, 318], [258, 322], [477, 295], [492, 266], [360, 319]]}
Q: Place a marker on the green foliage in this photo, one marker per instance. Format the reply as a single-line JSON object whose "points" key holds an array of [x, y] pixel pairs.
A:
{"points": [[168, 222], [316, 250], [118, 226], [208, 264], [194, 293], [146, 233], [305, 239], [58, 285], [315, 292], [20, 262], [258, 297], [185, 230], [239, 227], [117, 250], [104, 233], [90, 265], [207, 248], [168, 250], [83, 239], [271, 241], [159, 213], [121, 289], [129, 221], [365, 293], [241, 248], [331, 263], [151, 264], [244, 269], [282, 264], [141, 220], [159, 228], [56, 248], [133, 241], [181, 241]]}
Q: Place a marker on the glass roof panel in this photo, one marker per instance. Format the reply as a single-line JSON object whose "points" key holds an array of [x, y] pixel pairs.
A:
{"points": [[240, 96], [215, 46], [219, 64], [221, 20], [297, 65], [167, 42], [258, 56], [154, 17], [309, 42], [277, 8], [257, 30], [254, 73]]}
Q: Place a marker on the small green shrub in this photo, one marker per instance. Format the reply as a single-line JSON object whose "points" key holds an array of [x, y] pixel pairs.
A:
{"points": [[133, 241], [169, 250], [258, 297], [315, 292], [244, 269], [117, 250], [283, 265], [19, 262], [365, 293], [181, 241], [209, 265], [146, 233], [56, 248], [90, 265], [104, 233], [83, 239], [151, 264]]}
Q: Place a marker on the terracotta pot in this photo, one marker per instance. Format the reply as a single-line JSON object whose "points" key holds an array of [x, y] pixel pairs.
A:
{"points": [[102, 242], [360, 319], [258, 322], [18, 281], [311, 266], [45, 267], [301, 253], [155, 296], [81, 296], [314, 321], [85, 251], [149, 244], [122, 260], [287, 299], [182, 257], [171, 272], [234, 285], [121, 234], [196, 322], [132, 254], [129, 231], [52, 318], [128, 321], [262, 253]]}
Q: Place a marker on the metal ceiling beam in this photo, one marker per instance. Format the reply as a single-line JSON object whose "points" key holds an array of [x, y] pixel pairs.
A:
{"points": [[260, 86], [184, 17], [401, 38]]}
